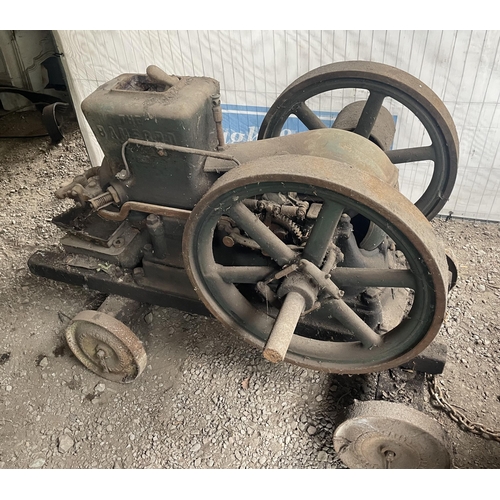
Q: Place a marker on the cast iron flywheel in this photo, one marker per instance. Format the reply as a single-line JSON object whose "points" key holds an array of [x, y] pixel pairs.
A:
{"points": [[301, 288], [382, 82]]}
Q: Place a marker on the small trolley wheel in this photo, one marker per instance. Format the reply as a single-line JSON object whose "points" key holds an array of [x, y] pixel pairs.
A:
{"points": [[385, 435], [106, 346]]}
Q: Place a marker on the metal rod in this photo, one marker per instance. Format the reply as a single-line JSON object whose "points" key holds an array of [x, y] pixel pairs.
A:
{"points": [[343, 313], [244, 274], [256, 229], [182, 149], [217, 113], [365, 277], [156, 230], [408, 155], [281, 335], [369, 114], [322, 232], [308, 117], [138, 206], [321, 278]]}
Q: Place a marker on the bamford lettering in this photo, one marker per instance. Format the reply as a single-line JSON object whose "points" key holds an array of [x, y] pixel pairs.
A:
{"points": [[131, 120], [122, 134]]}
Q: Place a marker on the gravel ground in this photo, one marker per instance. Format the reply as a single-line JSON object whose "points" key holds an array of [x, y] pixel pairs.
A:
{"points": [[206, 399]]}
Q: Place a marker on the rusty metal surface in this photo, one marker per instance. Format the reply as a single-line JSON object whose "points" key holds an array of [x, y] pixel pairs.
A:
{"points": [[388, 81], [106, 346], [385, 435], [334, 144], [122, 308], [133, 112], [321, 209], [371, 197], [384, 128], [122, 108], [161, 149], [160, 285], [432, 360]]}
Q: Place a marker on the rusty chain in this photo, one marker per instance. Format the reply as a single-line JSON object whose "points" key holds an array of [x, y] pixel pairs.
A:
{"points": [[440, 399]]}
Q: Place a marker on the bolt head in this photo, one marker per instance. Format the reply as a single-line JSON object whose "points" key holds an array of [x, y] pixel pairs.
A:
{"points": [[122, 175], [138, 271]]}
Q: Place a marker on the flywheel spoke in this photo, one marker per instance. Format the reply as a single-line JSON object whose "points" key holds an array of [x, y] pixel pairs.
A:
{"points": [[365, 277], [369, 114], [322, 232], [411, 154], [244, 274], [308, 117], [269, 243], [356, 326]]}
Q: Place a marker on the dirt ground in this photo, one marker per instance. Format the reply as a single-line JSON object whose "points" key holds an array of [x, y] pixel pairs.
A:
{"points": [[206, 399]]}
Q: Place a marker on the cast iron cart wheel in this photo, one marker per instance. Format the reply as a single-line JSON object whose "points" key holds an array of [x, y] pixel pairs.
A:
{"points": [[385, 435], [381, 81], [340, 187], [106, 346]]}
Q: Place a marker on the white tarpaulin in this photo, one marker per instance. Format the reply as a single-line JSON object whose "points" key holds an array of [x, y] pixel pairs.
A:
{"points": [[253, 67]]}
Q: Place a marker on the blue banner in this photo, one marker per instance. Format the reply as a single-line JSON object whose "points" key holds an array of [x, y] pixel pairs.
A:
{"points": [[242, 123]]}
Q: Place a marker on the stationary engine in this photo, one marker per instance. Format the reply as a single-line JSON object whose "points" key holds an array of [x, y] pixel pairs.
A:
{"points": [[302, 244]]}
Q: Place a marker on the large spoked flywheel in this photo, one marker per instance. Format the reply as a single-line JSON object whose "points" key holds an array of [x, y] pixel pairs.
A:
{"points": [[383, 83], [287, 284]]}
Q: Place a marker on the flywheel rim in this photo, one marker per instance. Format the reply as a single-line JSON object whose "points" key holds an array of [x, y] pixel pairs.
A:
{"points": [[218, 296], [394, 83]]}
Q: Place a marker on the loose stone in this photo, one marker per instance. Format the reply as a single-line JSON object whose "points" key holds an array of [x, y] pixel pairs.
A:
{"points": [[311, 430], [38, 463], [65, 443]]}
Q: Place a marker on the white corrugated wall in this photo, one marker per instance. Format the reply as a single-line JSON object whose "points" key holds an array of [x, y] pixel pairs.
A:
{"points": [[253, 67]]}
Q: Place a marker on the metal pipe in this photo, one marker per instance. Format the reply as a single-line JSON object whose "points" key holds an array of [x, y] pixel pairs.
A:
{"points": [[217, 112], [125, 173], [144, 207], [156, 230]]}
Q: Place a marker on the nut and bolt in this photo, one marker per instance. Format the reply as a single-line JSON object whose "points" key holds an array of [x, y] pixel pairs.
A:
{"points": [[122, 175], [138, 272], [228, 241]]}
